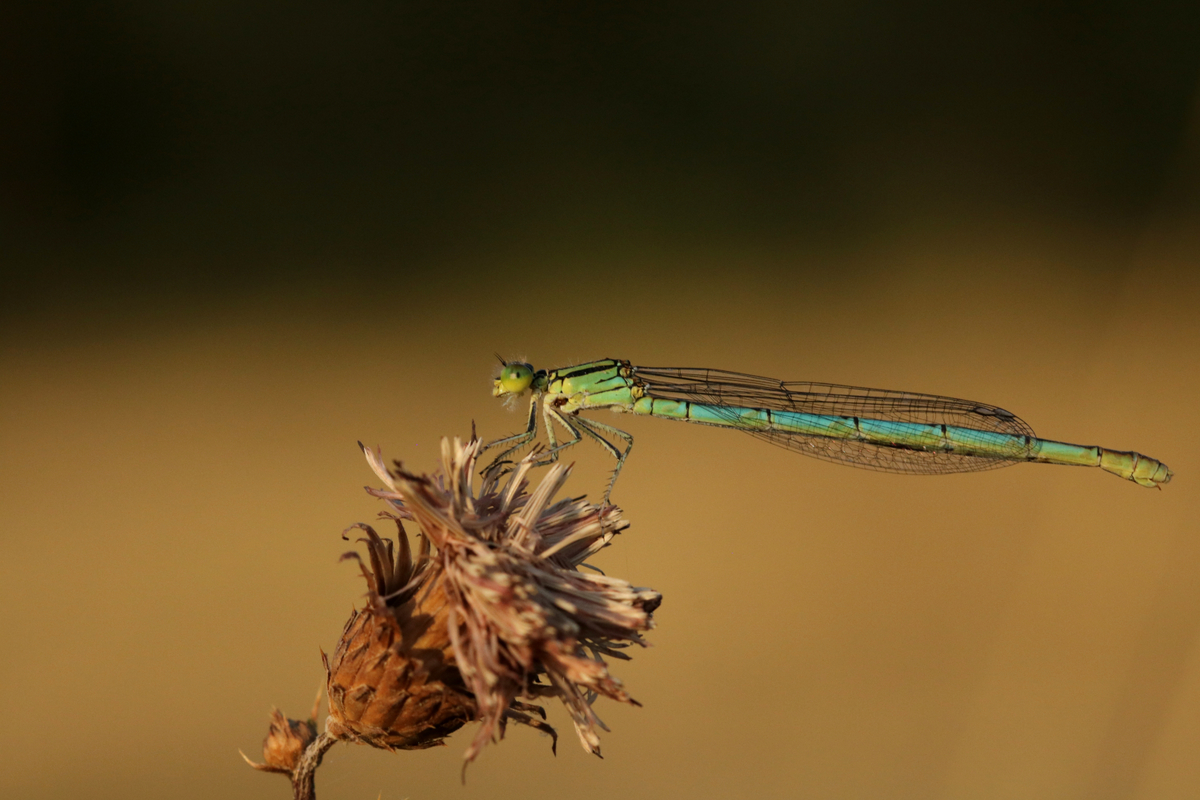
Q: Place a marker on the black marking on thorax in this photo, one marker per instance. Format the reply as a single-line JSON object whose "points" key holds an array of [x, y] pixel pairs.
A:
{"points": [[575, 372]]}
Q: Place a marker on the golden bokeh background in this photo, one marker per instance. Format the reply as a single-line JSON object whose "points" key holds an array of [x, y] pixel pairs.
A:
{"points": [[239, 239]]}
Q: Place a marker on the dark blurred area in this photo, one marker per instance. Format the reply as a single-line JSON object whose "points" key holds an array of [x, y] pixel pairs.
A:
{"points": [[192, 151], [238, 237]]}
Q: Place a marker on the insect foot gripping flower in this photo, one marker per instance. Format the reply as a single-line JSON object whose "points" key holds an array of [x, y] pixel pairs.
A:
{"points": [[491, 611]]}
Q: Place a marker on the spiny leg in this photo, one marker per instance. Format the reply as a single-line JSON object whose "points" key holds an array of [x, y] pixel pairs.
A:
{"points": [[550, 437], [525, 718], [553, 414], [590, 426], [517, 440]]}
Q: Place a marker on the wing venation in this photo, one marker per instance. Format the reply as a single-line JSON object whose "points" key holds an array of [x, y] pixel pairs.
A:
{"points": [[733, 389]]}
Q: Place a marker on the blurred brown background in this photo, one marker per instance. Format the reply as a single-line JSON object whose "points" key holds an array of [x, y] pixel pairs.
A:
{"points": [[237, 237]]}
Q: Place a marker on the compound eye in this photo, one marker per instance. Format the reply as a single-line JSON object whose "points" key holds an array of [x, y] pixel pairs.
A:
{"points": [[515, 378]]}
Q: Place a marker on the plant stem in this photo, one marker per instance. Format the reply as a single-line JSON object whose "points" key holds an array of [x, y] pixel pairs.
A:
{"points": [[304, 785]]}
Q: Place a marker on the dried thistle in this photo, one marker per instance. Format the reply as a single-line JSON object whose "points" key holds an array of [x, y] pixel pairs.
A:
{"points": [[292, 747], [286, 741], [490, 611], [493, 610]]}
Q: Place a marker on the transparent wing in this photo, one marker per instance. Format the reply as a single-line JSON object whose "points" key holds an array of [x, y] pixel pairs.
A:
{"points": [[731, 390]]}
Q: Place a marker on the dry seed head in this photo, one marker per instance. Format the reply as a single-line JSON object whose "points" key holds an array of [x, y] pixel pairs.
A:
{"points": [[285, 742], [492, 609], [392, 681]]}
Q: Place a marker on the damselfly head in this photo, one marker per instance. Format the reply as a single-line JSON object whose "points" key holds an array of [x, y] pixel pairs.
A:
{"points": [[515, 378]]}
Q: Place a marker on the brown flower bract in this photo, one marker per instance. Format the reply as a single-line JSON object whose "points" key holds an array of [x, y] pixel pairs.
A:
{"points": [[492, 609], [285, 743], [392, 682]]}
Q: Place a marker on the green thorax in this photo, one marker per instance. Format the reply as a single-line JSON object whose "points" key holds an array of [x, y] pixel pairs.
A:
{"points": [[598, 384]]}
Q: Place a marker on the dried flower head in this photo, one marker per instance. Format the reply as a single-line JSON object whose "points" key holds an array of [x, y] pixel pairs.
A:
{"points": [[286, 742], [492, 610]]}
